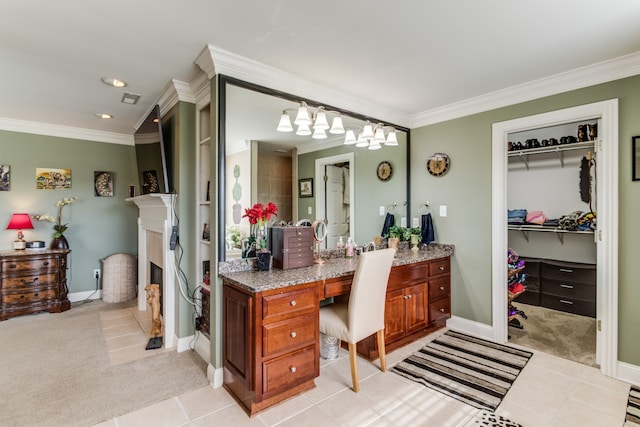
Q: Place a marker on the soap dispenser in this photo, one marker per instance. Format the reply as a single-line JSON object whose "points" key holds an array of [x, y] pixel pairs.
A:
{"points": [[351, 248], [340, 243]]}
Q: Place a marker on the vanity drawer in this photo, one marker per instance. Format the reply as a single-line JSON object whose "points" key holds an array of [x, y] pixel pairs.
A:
{"points": [[439, 267], [289, 304], [570, 305], [440, 310], [568, 271], [38, 280], [28, 297], [289, 334], [28, 264], [338, 286], [439, 288], [290, 370], [406, 275], [568, 289]]}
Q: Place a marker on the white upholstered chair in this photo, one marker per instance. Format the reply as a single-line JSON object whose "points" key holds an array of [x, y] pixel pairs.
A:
{"points": [[363, 314]]}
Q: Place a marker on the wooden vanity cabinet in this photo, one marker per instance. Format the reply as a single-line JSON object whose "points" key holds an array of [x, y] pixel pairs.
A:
{"points": [[271, 343], [33, 282]]}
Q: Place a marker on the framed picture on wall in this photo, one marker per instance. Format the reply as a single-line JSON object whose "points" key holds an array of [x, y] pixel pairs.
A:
{"points": [[305, 186], [53, 179], [635, 157], [103, 184], [5, 177]]}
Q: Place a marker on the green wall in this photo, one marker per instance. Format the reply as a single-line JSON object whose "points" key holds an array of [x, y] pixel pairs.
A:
{"points": [[466, 190], [98, 226]]}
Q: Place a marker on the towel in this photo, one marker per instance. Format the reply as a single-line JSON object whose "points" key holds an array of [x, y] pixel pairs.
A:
{"points": [[427, 231], [389, 221]]}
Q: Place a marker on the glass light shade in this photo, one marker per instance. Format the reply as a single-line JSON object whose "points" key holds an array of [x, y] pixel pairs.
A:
{"points": [[303, 118], [374, 145], [349, 138], [362, 142], [337, 127], [285, 123], [319, 134], [379, 136], [303, 130], [367, 132], [321, 121], [392, 140]]}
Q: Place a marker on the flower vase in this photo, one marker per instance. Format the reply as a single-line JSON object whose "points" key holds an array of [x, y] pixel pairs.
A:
{"points": [[415, 239], [60, 242]]}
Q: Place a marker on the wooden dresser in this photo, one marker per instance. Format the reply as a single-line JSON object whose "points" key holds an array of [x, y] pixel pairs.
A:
{"points": [[292, 247], [32, 282]]}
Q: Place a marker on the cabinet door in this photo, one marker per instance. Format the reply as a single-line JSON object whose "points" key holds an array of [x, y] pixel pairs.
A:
{"points": [[416, 307], [238, 330], [394, 322]]}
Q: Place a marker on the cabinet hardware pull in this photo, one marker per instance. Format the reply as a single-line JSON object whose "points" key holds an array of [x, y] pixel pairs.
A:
{"points": [[293, 369], [442, 310], [46, 263], [409, 296], [36, 295], [566, 270], [293, 334], [564, 285], [441, 288], [564, 301], [21, 296], [13, 265], [441, 268], [293, 303]]}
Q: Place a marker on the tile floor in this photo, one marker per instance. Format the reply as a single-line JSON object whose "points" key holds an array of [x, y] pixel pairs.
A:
{"points": [[550, 391]]}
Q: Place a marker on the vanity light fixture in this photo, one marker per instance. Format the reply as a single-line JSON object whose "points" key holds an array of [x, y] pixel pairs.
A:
{"points": [[112, 81], [372, 136], [311, 122]]}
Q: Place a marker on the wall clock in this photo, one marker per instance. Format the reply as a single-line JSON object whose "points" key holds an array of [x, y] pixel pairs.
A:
{"points": [[438, 164], [384, 171]]}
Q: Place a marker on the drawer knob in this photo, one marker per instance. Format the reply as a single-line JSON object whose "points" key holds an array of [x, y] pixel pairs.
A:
{"points": [[441, 269], [441, 288], [36, 295], [13, 265], [442, 310], [293, 334], [293, 303], [564, 301], [46, 263], [293, 369]]}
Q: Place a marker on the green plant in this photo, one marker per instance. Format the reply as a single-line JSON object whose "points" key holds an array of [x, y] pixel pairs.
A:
{"points": [[236, 191]]}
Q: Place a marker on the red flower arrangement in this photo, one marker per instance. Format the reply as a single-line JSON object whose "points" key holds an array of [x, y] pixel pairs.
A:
{"points": [[258, 216]]}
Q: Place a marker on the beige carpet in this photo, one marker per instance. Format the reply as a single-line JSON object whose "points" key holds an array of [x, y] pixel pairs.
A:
{"points": [[56, 371], [555, 332]]}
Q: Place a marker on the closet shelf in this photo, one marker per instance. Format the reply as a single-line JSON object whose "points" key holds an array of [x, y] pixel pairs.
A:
{"points": [[558, 149], [525, 229]]}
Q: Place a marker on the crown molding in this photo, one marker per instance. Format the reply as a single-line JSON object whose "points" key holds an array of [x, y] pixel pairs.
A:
{"points": [[61, 131], [601, 72], [173, 92], [213, 60]]}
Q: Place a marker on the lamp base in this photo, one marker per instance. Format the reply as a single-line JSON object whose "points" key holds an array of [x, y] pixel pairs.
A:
{"points": [[19, 245]]}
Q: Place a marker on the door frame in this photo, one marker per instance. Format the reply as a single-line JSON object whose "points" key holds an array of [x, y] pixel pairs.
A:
{"points": [[606, 233], [320, 185]]}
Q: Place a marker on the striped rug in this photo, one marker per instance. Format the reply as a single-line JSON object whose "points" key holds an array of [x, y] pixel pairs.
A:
{"points": [[472, 370], [633, 408]]}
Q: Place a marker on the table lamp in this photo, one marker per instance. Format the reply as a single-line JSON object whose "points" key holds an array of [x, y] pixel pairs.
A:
{"points": [[19, 221]]}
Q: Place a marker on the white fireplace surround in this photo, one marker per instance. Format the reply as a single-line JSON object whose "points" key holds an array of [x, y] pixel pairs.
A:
{"points": [[154, 231]]}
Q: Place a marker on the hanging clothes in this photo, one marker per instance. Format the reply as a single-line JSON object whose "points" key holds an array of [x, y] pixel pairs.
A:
{"points": [[389, 221], [427, 230]]}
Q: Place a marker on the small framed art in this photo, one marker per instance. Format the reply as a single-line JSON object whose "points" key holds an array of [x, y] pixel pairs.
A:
{"points": [[103, 184], [305, 186]]}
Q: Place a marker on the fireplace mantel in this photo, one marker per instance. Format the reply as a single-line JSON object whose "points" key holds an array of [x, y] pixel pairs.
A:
{"points": [[154, 231]]}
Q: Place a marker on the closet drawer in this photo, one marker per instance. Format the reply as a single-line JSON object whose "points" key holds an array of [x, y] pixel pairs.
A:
{"points": [[570, 305], [568, 271], [568, 289], [528, 297]]}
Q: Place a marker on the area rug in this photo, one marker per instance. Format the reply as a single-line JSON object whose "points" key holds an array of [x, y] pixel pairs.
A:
{"points": [[472, 370], [632, 418]]}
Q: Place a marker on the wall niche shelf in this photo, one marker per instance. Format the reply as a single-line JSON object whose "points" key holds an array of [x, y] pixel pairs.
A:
{"points": [[559, 150], [525, 229]]}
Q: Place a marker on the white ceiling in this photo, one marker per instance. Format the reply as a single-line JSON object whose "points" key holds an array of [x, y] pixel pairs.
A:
{"points": [[413, 56]]}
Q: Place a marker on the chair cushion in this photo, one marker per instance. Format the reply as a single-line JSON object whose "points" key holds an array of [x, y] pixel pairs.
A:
{"points": [[333, 320]]}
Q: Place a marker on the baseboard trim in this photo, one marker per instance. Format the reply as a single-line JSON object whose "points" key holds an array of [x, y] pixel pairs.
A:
{"points": [[629, 373], [470, 327], [184, 343], [215, 376], [81, 296]]}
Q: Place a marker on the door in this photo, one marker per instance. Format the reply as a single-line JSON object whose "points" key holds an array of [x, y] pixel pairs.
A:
{"points": [[337, 205], [416, 307]]}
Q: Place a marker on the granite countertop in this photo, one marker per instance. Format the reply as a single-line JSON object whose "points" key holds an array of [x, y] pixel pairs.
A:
{"points": [[258, 281]]}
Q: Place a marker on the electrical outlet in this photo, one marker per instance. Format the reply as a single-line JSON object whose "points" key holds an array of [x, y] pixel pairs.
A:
{"points": [[96, 273], [403, 222]]}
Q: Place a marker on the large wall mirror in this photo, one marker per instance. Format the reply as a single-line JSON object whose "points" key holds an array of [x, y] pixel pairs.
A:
{"points": [[258, 164]]}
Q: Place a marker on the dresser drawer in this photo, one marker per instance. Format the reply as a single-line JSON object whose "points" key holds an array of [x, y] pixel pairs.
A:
{"points": [[439, 267], [296, 259], [440, 310], [289, 304], [439, 288], [28, 297], [28, 264], [568, 289], [290, 370], [570, 305], [573, 272], [38, 280], [289, 334], [299, 242]]}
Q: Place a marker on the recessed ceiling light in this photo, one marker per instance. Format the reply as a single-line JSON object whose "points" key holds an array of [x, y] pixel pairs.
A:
{"points": [[104, 115], [112, 81]]}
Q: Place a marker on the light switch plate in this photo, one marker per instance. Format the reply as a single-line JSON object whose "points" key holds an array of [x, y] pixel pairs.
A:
{"points": [[403, 221], [381, 210], [416, 222], [443, 210], [310, 210]]}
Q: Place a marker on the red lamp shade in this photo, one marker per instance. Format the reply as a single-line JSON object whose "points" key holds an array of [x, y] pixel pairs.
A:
{"points": [[20, 221]]}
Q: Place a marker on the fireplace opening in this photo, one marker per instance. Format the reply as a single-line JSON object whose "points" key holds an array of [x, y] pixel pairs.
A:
{"points": [[155, 276]]}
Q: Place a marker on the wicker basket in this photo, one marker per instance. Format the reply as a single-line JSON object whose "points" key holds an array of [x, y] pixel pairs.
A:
{"points": [[119, 272]]}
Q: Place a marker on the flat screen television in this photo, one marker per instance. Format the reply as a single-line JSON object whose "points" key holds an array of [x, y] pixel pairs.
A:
{"points": [[152, 155]]}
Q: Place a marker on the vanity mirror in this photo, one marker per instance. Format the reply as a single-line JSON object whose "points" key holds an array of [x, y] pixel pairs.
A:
{"points": [[258, 164]]}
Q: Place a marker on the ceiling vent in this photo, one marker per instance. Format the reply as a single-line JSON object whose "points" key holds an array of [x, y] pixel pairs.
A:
{"points": [[130, 98]]}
